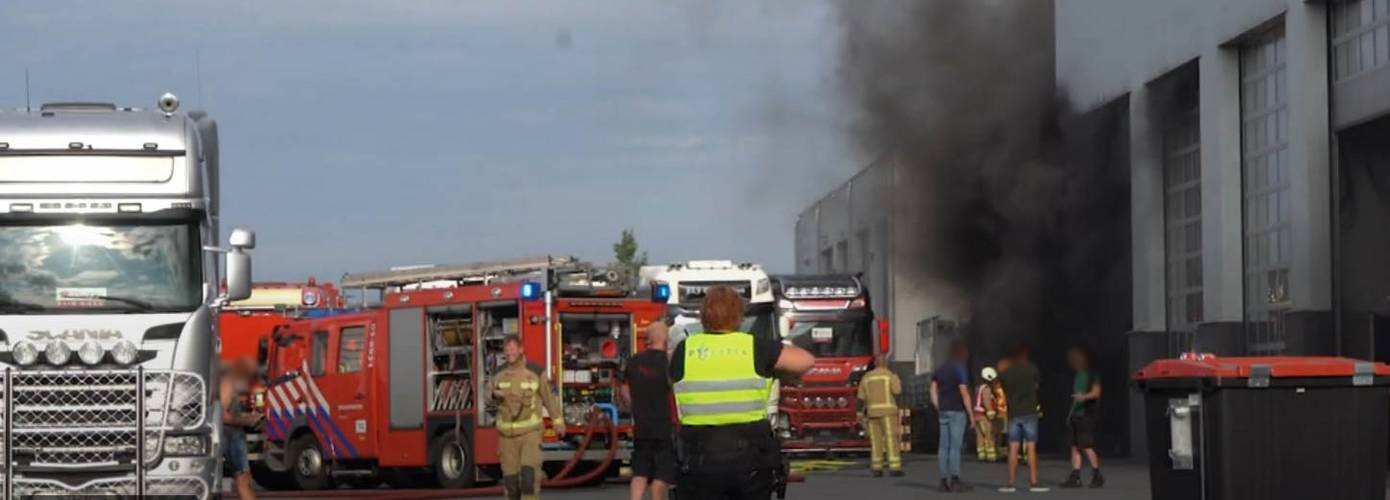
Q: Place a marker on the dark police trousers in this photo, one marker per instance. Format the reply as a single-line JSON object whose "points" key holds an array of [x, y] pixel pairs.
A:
{"points": [[735, 462]]}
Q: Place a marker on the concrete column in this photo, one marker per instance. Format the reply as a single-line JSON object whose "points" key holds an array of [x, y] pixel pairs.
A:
{"points": [[1222, 229], [1310, 278], [1146, 211]]}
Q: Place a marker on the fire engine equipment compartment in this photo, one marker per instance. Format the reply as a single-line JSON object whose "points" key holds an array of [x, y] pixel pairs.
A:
{"points": [[595, 345], [1270, 428]]}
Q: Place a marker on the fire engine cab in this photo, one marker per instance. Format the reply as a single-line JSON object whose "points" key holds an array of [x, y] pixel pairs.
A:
{"points": [[397, 390], [245, 323], [829, 316]]}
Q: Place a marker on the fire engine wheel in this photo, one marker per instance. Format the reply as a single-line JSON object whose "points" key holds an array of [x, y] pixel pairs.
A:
{"points": [[270, 479], [308, 464], [453, 463]]}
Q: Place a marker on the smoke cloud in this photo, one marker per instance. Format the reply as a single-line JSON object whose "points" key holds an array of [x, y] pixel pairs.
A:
{"points": [[1018, 204]]}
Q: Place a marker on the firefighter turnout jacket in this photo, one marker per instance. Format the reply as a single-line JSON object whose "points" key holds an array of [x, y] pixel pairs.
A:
{"points": [[879, 390], [520, 393]]}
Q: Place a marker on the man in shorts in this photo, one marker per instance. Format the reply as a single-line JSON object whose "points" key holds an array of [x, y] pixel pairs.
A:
{"points": [[1020, 383], [648, 393], [1084, 415], [236, 380]]}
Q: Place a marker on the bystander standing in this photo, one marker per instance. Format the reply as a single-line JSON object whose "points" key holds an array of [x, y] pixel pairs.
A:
{"points": [[648, 394], [1020, 382], [1083, 417], [950, 394]]}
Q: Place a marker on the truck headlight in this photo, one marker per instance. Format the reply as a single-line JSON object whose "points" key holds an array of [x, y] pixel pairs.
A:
{"points": [[124, 352], [24, 353], [90, 353], [186, 446], [57, 353]]}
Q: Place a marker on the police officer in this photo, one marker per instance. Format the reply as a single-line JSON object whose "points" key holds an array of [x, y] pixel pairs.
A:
{"points": [[878, 392], [519, 391], [722, 380]]}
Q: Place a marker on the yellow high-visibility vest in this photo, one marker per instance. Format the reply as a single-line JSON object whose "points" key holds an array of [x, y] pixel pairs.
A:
{"points": [[721, 386]]}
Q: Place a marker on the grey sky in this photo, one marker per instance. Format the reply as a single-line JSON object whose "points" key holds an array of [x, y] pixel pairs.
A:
{"points": [[360, 135]]}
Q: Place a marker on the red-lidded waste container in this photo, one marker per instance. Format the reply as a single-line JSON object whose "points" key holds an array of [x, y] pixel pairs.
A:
{"points": [[1269, 428]]}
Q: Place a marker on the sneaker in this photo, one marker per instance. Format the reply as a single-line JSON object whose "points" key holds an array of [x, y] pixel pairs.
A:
{"points": [[1038, 489], [1073, 480], [1008, 489], [945, 486], [878, 473], [896, 473], [1097, 480]]}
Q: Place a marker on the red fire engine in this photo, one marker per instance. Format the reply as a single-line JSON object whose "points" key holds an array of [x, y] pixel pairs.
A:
{"points": [[396, 391], [831, 317]]}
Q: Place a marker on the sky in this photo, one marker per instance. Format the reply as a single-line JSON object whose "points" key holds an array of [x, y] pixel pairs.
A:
{"points": [[362, 135]]}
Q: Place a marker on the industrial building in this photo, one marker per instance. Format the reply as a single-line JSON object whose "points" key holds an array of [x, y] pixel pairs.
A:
{"points": [[1258, 144], [1259, 166]]}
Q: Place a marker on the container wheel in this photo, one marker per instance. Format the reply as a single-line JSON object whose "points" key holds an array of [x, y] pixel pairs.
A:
{"points": [[452, 460], [308, 464]]}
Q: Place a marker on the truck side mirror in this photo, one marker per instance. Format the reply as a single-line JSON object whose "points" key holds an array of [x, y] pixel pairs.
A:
{"points": [[885, 337], [238, 275], [239, 264]]}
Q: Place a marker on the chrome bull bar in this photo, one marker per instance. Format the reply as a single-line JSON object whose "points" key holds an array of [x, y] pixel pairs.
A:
{"points": [[84, 421]]}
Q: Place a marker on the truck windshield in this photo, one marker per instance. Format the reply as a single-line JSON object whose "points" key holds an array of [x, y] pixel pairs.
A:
{"points": [[75, 267], [833, 338], [760, 320]]}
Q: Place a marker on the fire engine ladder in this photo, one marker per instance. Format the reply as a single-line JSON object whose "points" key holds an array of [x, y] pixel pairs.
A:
{"points": [[479, 272]]}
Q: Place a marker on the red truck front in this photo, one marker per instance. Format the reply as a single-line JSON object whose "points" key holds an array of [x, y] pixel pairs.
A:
{"points": [[828, 315]]}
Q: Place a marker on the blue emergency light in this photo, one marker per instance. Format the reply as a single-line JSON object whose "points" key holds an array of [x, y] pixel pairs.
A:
{"points": [[530, 290], [661, 292]]}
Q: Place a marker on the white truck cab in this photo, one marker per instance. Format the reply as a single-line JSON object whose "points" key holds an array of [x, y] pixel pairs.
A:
{"points": [[108, 292]]}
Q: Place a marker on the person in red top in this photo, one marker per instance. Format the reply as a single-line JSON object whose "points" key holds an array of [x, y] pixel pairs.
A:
{"points": [[648, 394]]}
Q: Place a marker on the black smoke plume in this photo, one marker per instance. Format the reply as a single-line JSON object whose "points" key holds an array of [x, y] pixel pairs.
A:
{"points": [[1018, 204]]}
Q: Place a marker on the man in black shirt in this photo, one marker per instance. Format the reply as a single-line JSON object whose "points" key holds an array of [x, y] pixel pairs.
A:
{"points": [[648, 393]]}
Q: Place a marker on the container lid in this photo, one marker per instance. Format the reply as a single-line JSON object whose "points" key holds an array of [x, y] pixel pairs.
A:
{"points": [[1207, 366]]}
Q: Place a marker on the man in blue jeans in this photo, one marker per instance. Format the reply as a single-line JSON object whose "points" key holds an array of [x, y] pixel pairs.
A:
{"points": [[1020, 383], [950, 394]]}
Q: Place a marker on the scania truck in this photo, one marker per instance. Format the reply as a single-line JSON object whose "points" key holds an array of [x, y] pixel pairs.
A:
{"points": [[108, 293]]}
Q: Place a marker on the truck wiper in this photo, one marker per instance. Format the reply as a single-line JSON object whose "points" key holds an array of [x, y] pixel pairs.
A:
{"points": [[18, 306], [139, 304]]}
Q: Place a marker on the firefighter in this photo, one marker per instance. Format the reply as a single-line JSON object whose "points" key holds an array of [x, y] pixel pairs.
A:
{"points": [[986, 417], [722, 381], [519, 392], [878, 392]]}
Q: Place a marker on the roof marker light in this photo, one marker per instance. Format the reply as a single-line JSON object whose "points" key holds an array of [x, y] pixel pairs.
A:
{"points": [[21, 207], [129, 208]]}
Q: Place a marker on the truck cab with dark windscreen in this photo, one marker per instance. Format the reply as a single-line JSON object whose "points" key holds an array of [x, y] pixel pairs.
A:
{"points": [[831, 317]]}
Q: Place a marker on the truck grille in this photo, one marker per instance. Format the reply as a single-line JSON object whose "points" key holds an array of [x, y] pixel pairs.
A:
{"points": [[164, 488], [88, 418]]}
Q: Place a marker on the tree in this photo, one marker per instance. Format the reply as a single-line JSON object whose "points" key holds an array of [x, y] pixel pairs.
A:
{"points": [[626, 258]]}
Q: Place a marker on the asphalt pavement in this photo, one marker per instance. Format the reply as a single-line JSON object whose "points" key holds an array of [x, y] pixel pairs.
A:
{"points": [[852, 480]]}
